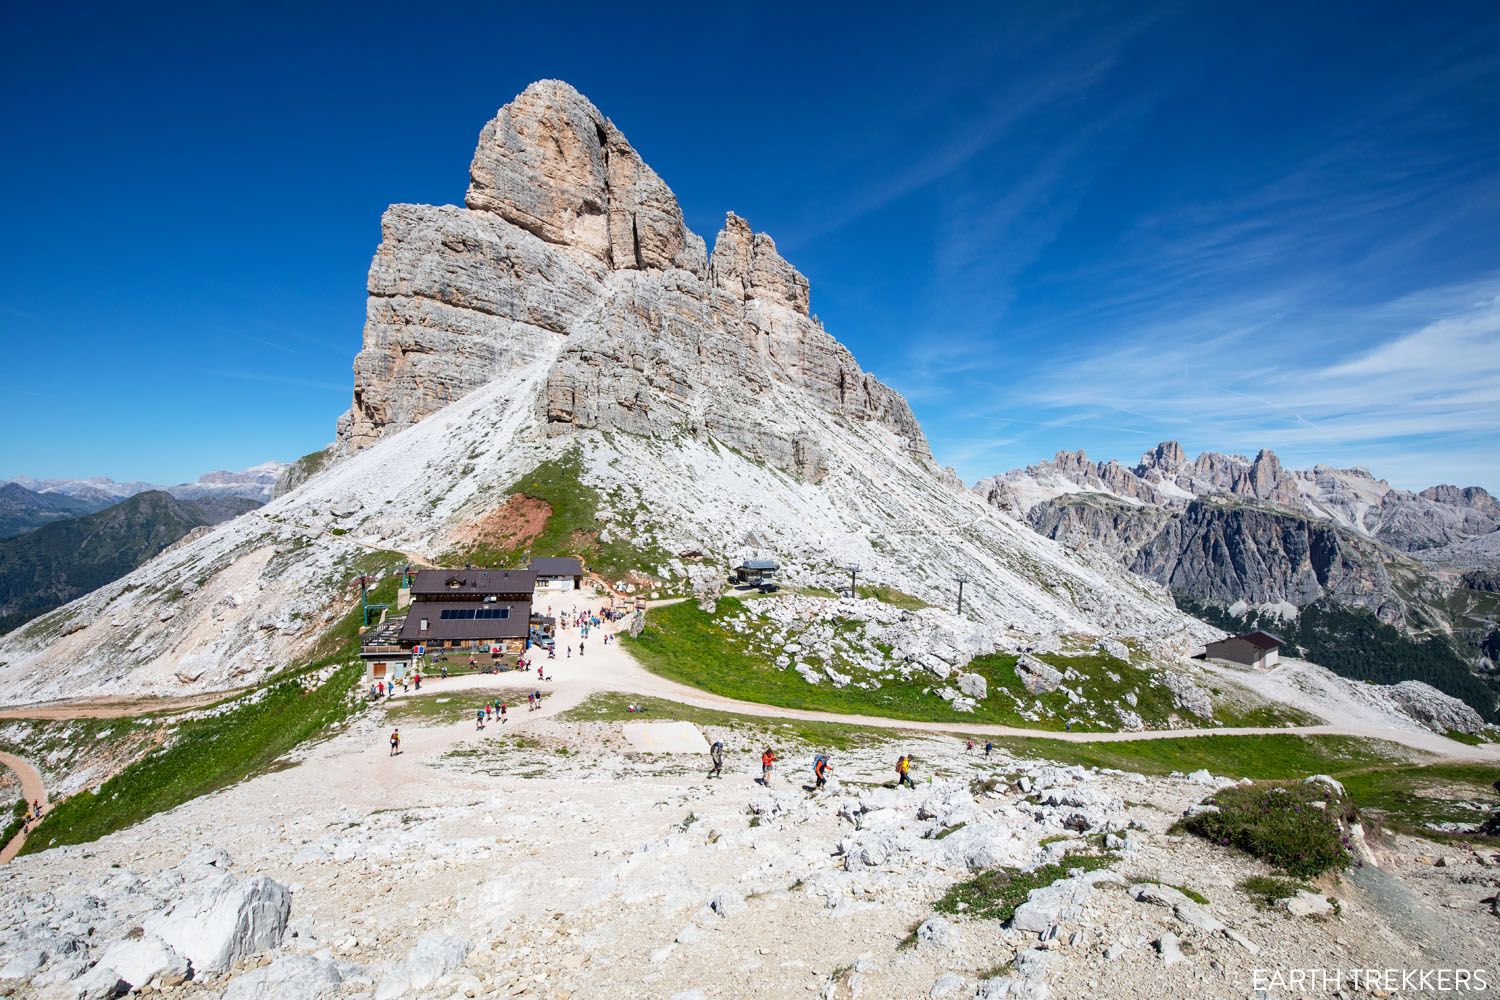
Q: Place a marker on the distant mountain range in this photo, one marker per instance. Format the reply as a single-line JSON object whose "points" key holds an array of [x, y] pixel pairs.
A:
{"points": [[47, 567], [1376, 582], [27, 503]]}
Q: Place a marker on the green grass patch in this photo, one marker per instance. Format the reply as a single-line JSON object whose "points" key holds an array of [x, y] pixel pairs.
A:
{"points": [[995, 894], [1280, 825], [1416, 797], [1192, 894], [691, 646], [1470, 739], [439, 709], [612, 707], [890, 595], [17, 820], [1268, 890], [1276, 756]]}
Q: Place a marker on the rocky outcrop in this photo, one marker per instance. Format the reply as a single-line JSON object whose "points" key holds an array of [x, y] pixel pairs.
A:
{"points": [[1094, 520], [572, 251], [1225, 553], [1432, 708]]}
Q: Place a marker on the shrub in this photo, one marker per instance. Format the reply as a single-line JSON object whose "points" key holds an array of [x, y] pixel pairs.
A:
{"points": [[1280, 825], [1267, 889], [995, 894]]}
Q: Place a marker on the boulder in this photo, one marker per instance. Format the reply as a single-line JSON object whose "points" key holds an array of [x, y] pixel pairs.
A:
{"points": [[1038, 677], [287, 977], [973, 685], [1166, 947], [1307, 904], [229, 920], [141, 960], [946, 985], [936, 932]]}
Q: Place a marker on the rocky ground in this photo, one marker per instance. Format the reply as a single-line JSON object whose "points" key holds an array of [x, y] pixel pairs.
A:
{"points": [[547, 858]]}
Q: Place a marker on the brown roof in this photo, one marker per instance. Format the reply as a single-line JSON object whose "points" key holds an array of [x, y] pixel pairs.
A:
{"points": [[556, 566], [477, 582], [1258, 639], [466, 621]]}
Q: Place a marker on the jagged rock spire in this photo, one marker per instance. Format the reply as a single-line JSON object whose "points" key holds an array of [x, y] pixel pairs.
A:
{"points": [[551, 163]]}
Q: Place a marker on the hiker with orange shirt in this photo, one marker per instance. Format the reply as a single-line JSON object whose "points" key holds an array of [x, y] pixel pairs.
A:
{"points": [[767, 759]]}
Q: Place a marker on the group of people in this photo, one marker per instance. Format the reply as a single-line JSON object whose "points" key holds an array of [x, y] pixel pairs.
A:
{"points": [[497, 709], [382, 689], [820, 767], [989, 746]]}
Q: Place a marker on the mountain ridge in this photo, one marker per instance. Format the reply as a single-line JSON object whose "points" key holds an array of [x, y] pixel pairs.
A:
{"points": [[709, 412]]}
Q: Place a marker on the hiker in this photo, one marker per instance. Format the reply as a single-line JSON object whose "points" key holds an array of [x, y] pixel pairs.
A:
{"points": [[767, 759], [395, 742], [417, 680], [989, 745], [820, 771], [380, 690], [580, 649], [716, 754], [538, 698], [569, 654], [969, 748], [445, 670], [539, 669], [479, 718], [502, 711], [903, 771]]}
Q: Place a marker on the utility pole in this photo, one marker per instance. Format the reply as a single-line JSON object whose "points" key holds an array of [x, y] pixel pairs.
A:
{"points": [[853, 569], [961, 581]]}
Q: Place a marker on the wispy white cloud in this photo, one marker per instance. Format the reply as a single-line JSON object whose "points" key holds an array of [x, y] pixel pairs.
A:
{"points": [[1429, 391], [292, 380]]}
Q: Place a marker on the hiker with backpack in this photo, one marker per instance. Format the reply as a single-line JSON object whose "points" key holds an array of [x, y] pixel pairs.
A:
{"points": [[767, 760], [821, 767], [395, 742], [716, 755], [903, 772]]}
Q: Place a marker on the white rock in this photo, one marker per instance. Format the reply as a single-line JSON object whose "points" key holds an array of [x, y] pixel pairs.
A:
{"points": [[946, 985], [1307, 904], [229, 920], [143, 959], [1166, 946], [937, 932], [287, 977]]}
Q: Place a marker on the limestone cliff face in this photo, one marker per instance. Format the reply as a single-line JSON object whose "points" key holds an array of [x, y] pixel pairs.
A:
{"points": [[1222, 551], [572, 248]]}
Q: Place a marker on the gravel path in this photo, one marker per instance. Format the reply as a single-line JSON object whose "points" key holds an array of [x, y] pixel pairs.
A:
{"points": [[32, 789]]}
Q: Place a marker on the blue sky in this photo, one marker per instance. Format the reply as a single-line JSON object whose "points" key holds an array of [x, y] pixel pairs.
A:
{"points": [[1239, 226]]}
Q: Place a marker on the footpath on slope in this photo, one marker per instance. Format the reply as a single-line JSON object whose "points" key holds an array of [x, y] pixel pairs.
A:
{"points": [[32, 789], [609, 668]]}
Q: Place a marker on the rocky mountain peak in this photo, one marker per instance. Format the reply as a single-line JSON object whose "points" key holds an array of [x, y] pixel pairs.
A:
{"points": [[1166, 458], [747, 265], [1473, 497], [552, 164], [571, 255]]}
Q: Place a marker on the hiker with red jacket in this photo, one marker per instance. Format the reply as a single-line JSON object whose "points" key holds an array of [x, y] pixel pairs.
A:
{"points": [[767, 759]]}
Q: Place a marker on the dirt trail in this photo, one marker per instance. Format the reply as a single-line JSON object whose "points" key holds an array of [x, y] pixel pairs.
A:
{"points": [[610, 668], [115, 708], [32, 789]]}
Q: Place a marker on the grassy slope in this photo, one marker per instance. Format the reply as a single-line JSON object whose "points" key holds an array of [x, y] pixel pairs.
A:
{"points": [[239, 740], [572, 529], [690, 646], [1281, 755]]}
